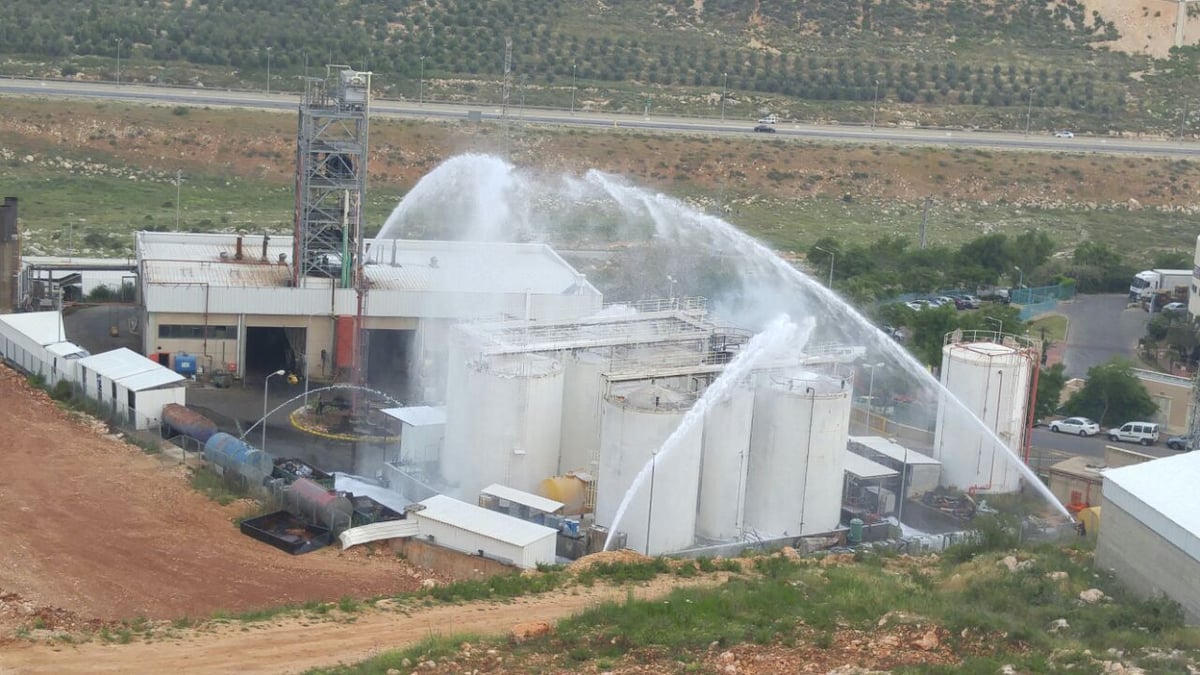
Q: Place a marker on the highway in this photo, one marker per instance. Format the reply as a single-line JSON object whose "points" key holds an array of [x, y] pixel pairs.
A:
{"points": [[197, 96]]}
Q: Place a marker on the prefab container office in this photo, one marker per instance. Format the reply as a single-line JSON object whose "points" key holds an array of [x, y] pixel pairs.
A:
{"points": [[36, 343], [473, 530], [130, 386]]}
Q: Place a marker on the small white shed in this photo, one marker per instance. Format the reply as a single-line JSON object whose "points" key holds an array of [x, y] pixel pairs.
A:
{"points": [[922, 471], [131, 385], [422, 432], [36, 343], [473, 530]]}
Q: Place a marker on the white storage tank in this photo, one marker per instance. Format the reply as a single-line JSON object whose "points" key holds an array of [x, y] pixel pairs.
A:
{"points": [[503, 416], [797, 446], [1194, 287], [992, 380], [726, 449], [582, 392], [635, 422]]}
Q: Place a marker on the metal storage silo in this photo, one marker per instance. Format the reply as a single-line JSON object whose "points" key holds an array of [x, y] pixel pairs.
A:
{"points": [[797, 446], [726, 448], [503, 423], [235, 457], [635, 422], [582, 391], [992, 381]]}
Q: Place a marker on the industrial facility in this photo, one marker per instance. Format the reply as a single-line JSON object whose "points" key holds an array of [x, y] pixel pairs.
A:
{"points": [[528, 420]]}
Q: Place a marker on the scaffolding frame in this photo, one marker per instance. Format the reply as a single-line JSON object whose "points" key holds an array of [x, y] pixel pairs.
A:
{"points": [[331, 175]]}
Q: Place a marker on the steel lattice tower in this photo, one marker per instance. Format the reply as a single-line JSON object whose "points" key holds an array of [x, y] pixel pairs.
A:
{"points": [[331, 175]]}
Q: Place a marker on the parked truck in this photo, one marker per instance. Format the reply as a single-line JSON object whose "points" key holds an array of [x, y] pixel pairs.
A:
{"points": [[1147, 283]]}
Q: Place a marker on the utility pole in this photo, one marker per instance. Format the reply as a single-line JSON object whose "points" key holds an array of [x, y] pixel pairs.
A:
{"points": [[572, 86], [924, 222], [724, 88], [178, 178], [118, 63], [1029, 112], [269, 71]]}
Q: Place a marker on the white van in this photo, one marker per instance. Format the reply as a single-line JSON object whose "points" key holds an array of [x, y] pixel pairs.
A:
{"points": [[1145, 433]]}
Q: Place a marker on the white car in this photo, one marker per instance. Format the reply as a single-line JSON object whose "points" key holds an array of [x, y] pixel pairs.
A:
{"points": [[1174, 308], [1081, 426], [1064, 134], [769, 119]]}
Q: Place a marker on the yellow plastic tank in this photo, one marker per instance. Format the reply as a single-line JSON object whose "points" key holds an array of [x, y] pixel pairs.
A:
{"points": [[570, 489]]}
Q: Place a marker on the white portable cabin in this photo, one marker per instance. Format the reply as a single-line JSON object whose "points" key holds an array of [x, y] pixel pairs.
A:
{"points": [[923, 472], [473, 530], [130, 385], [36, 343], [422, 432]]}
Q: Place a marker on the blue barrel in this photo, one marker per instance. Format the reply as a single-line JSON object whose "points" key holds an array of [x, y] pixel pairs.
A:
{"points": [[235, 456], [185, 364], [188, 422]]}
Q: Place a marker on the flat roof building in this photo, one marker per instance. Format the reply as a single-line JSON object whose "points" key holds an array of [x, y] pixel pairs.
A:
{"points": [[231, 300]]}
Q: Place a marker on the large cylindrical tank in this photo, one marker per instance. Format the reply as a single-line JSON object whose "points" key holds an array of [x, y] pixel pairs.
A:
{"points": [[723, 470], [188, 422], [318, 504], [582, 392], [1193, 295], [503, 423], [797, 454], [992, 381], [636, 421], [235, 456]]}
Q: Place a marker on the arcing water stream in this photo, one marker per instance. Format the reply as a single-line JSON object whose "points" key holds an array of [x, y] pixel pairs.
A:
{"points": [[490, 200]]}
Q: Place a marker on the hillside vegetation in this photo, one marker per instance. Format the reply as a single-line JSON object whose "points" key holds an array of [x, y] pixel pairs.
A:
{"points": [[940, 62]]}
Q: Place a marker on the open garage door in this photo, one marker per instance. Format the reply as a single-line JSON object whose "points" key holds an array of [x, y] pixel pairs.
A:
{"points": [[267, 350], [389, 361]]}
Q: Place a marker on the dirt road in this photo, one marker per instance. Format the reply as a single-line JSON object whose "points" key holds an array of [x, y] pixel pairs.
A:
{"points": [[293, 645]]}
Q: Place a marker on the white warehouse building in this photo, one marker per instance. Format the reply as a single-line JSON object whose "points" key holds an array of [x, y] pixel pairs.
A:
{"points": [[230, 300]]}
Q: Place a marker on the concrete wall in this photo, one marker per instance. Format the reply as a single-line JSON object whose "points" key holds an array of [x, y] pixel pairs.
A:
{"points": [[1115, 457], [444, 561], [1062, 483], [1173, 395], [1146, 563]]}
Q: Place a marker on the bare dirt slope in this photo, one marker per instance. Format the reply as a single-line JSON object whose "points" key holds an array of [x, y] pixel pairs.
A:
{"points": [[1146, 26], [95, 528]]}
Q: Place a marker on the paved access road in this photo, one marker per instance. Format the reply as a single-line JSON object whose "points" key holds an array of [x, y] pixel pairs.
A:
{"points": [[1093, 446], [1101, 327], [389, 108]]}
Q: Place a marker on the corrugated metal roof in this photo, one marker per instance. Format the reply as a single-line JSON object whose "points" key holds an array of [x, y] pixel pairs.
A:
{"points": [[521, 497], [344, 482], [389, 529], [151, 379], [400, 264], [44, 328], [67, 349], [418, 415], [1167, 486], [861, 467], [481, 521], [893, 450], [119, 363]]}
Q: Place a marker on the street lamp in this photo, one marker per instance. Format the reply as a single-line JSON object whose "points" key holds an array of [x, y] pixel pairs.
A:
{"points": [[421, 89], [999, 323], [832, 257], [118, 62], [1020, 279], [875, 109], [672, 280], [724, 88], [572, 86], [268, 70], [1029, 111], [266, 382], [178, 178], [871, 391]]}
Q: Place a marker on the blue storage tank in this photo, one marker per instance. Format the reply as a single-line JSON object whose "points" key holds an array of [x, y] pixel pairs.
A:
{"points": [[234, 455], [185, 364]]}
